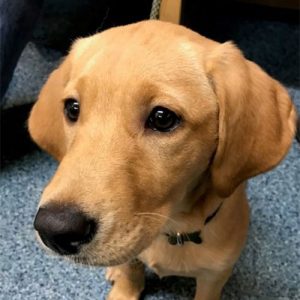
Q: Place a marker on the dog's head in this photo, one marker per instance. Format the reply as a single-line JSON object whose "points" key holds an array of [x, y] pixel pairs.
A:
{"points": [[143, 119]]}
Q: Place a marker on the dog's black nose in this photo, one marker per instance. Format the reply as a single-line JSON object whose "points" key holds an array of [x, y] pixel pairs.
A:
{"points": [[64, 228]]}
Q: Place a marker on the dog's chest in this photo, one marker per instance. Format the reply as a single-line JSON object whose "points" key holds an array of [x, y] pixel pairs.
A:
{"points": [[168, 260]]}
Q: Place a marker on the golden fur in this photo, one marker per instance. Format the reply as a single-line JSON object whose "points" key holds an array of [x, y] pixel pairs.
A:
{"points": [[237, 122]]}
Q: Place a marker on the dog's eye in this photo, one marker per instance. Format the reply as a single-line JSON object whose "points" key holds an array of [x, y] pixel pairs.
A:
{"points": [[72, 109], [162, 119]]}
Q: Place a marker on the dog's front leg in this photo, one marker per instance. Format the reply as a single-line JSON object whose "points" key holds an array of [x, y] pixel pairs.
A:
{"points": [[128, 281], [210, 284]]}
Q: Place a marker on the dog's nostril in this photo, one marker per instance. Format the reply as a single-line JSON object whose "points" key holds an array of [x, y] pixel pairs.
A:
{"points": [[64, 228]]}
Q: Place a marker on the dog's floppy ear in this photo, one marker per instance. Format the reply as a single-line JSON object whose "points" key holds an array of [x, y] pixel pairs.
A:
{"points": [[46, 118], [256, 118]]}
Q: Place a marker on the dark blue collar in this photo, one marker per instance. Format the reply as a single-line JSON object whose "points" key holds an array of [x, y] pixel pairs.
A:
{"points": [[195, 237]]}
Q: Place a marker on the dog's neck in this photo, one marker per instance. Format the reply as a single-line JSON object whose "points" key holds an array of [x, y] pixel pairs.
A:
{"points": [[198, 209], [179, 238]]}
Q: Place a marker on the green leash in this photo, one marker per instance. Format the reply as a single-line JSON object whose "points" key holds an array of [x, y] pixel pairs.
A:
{"points": [[154, 14]]}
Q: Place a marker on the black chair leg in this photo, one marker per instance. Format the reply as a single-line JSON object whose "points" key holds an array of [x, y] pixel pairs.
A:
{"points": [[18, 18]]}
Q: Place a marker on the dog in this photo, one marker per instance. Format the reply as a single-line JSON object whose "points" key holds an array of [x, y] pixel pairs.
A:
{"points": [[157, 130]]}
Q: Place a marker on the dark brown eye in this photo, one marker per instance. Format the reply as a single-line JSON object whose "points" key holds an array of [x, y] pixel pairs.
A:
{"points": [[72, 109], [162, 119]]}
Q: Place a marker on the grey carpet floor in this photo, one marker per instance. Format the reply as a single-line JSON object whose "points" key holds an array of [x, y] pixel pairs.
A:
{"points": [[269, 267]]}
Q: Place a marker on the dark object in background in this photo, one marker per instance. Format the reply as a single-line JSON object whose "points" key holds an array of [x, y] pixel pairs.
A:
{"points": [[15, 140], [267, 35], [62, 21], [18, 18]]}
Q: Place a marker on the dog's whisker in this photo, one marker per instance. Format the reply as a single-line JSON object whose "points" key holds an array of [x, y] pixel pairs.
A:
{"points": [[167, 226], [149, 214]]}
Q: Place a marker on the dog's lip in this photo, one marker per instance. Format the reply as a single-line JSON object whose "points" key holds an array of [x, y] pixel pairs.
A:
{"points": [[79, 258]]}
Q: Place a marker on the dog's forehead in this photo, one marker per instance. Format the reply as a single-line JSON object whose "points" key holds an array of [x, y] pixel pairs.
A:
{"points": [[137, 63], [142, 49]]}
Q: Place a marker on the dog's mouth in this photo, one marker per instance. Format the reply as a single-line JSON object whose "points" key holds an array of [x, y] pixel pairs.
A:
{"points": [[108, 240], [105, 249], [89, 255], [103, 260], [111, 256]]}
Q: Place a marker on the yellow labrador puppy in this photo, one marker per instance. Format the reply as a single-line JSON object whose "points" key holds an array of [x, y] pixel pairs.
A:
{"points": [[157, 129]]}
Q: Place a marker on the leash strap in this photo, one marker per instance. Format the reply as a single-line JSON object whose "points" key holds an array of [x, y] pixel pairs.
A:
{"points": [[154, 14]]}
